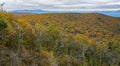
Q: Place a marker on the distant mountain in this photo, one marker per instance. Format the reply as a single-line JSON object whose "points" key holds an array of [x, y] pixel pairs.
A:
{"points": [[30, 11], [22, 13], [110, 13]]}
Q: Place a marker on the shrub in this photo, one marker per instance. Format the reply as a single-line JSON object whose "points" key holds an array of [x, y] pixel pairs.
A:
{"points": [[3, 25]]}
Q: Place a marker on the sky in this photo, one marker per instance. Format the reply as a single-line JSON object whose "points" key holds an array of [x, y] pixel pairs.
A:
{"points": [[62, 5]]}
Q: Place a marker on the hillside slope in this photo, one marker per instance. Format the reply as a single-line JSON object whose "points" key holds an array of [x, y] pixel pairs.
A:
{"points": [[86, 23]]}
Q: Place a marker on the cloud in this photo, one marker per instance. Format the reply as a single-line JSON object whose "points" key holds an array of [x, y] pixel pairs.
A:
{"points": [[60, 5]]}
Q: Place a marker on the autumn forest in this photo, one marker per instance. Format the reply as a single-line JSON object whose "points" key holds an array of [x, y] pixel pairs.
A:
{"points": [[59, 39]]}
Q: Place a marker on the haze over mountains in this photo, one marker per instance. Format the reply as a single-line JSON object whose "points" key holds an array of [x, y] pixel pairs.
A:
{"points": [[109, 13]]}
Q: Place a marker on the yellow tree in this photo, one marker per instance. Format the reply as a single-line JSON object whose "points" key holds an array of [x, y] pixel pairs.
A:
{"points": [[82, 42]]}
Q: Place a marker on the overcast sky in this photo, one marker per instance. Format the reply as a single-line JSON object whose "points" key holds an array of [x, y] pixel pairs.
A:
{"points": [[62, 5]]}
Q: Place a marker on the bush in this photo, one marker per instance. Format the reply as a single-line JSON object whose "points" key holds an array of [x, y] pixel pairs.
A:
{"points": [[3, 25]]}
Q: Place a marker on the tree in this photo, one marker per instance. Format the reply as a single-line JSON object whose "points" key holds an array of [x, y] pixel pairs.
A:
{"points": [[82, 42], [52, 37]]}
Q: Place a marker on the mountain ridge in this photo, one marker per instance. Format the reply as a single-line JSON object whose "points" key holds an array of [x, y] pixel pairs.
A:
{"points": [[109, 13]]}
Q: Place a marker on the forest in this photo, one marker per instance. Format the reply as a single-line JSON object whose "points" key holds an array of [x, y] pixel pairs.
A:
{"points": [[63, 39]]}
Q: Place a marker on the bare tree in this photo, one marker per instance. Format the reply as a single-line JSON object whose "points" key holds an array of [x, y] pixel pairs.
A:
{"points": [[1, 6]]}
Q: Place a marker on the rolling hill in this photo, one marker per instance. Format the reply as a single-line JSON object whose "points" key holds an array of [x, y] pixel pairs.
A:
{"points": [[87, 23]]}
